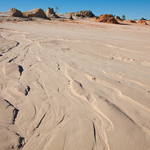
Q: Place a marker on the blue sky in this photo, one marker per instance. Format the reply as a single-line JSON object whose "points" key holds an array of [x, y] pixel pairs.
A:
{"points": [[132, 9]]}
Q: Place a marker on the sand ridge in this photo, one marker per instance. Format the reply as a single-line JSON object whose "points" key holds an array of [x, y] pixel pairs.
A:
{"points": [[68, 86]]}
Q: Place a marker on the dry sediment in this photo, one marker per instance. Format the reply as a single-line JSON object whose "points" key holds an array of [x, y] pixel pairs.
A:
{"points": [[74, 87]]}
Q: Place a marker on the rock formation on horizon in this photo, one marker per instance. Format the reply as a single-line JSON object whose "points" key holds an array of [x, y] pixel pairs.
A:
{"points": [[50, 13], [70, 13], [85, 13], [129, 21], [142, 22], [118, 18], [106, 18], [15, 12], [37, 12], [71, 18]]}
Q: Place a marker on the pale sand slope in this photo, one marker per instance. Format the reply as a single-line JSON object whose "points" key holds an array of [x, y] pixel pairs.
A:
{"points": [[69, 86]]}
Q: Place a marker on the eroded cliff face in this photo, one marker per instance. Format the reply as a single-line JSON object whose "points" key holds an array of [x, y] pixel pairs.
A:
{"points": [[65, 86]]}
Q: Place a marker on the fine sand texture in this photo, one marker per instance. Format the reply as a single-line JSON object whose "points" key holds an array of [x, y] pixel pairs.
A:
{"points": [[77, 85]]}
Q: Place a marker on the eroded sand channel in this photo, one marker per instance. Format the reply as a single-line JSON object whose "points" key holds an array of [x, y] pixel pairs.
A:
{"points": [[74, 86]]}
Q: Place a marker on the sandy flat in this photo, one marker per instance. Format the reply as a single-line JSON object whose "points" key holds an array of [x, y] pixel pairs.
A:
{"points": [[74, 86]]}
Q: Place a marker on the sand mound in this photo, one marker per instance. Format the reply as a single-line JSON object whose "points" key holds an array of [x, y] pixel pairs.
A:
{"points": [[12, 70], [8, 139]]}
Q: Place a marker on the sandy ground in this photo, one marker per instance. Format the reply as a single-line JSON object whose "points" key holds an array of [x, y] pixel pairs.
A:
{"points": [[74, 86]]}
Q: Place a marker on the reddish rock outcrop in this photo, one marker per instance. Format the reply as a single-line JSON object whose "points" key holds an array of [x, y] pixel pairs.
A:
{"points": [[106, 18], [37, 12], [15, 12], [142, 22]]}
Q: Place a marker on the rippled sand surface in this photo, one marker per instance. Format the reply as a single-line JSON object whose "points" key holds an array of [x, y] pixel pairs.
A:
{"points": [[74, 86]]}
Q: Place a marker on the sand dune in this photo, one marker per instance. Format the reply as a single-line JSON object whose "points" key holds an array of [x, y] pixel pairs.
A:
{"points": [[68, 86]]}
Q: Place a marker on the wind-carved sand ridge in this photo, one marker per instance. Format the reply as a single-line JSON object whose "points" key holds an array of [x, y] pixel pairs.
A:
{"points": [[65, 86]]}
